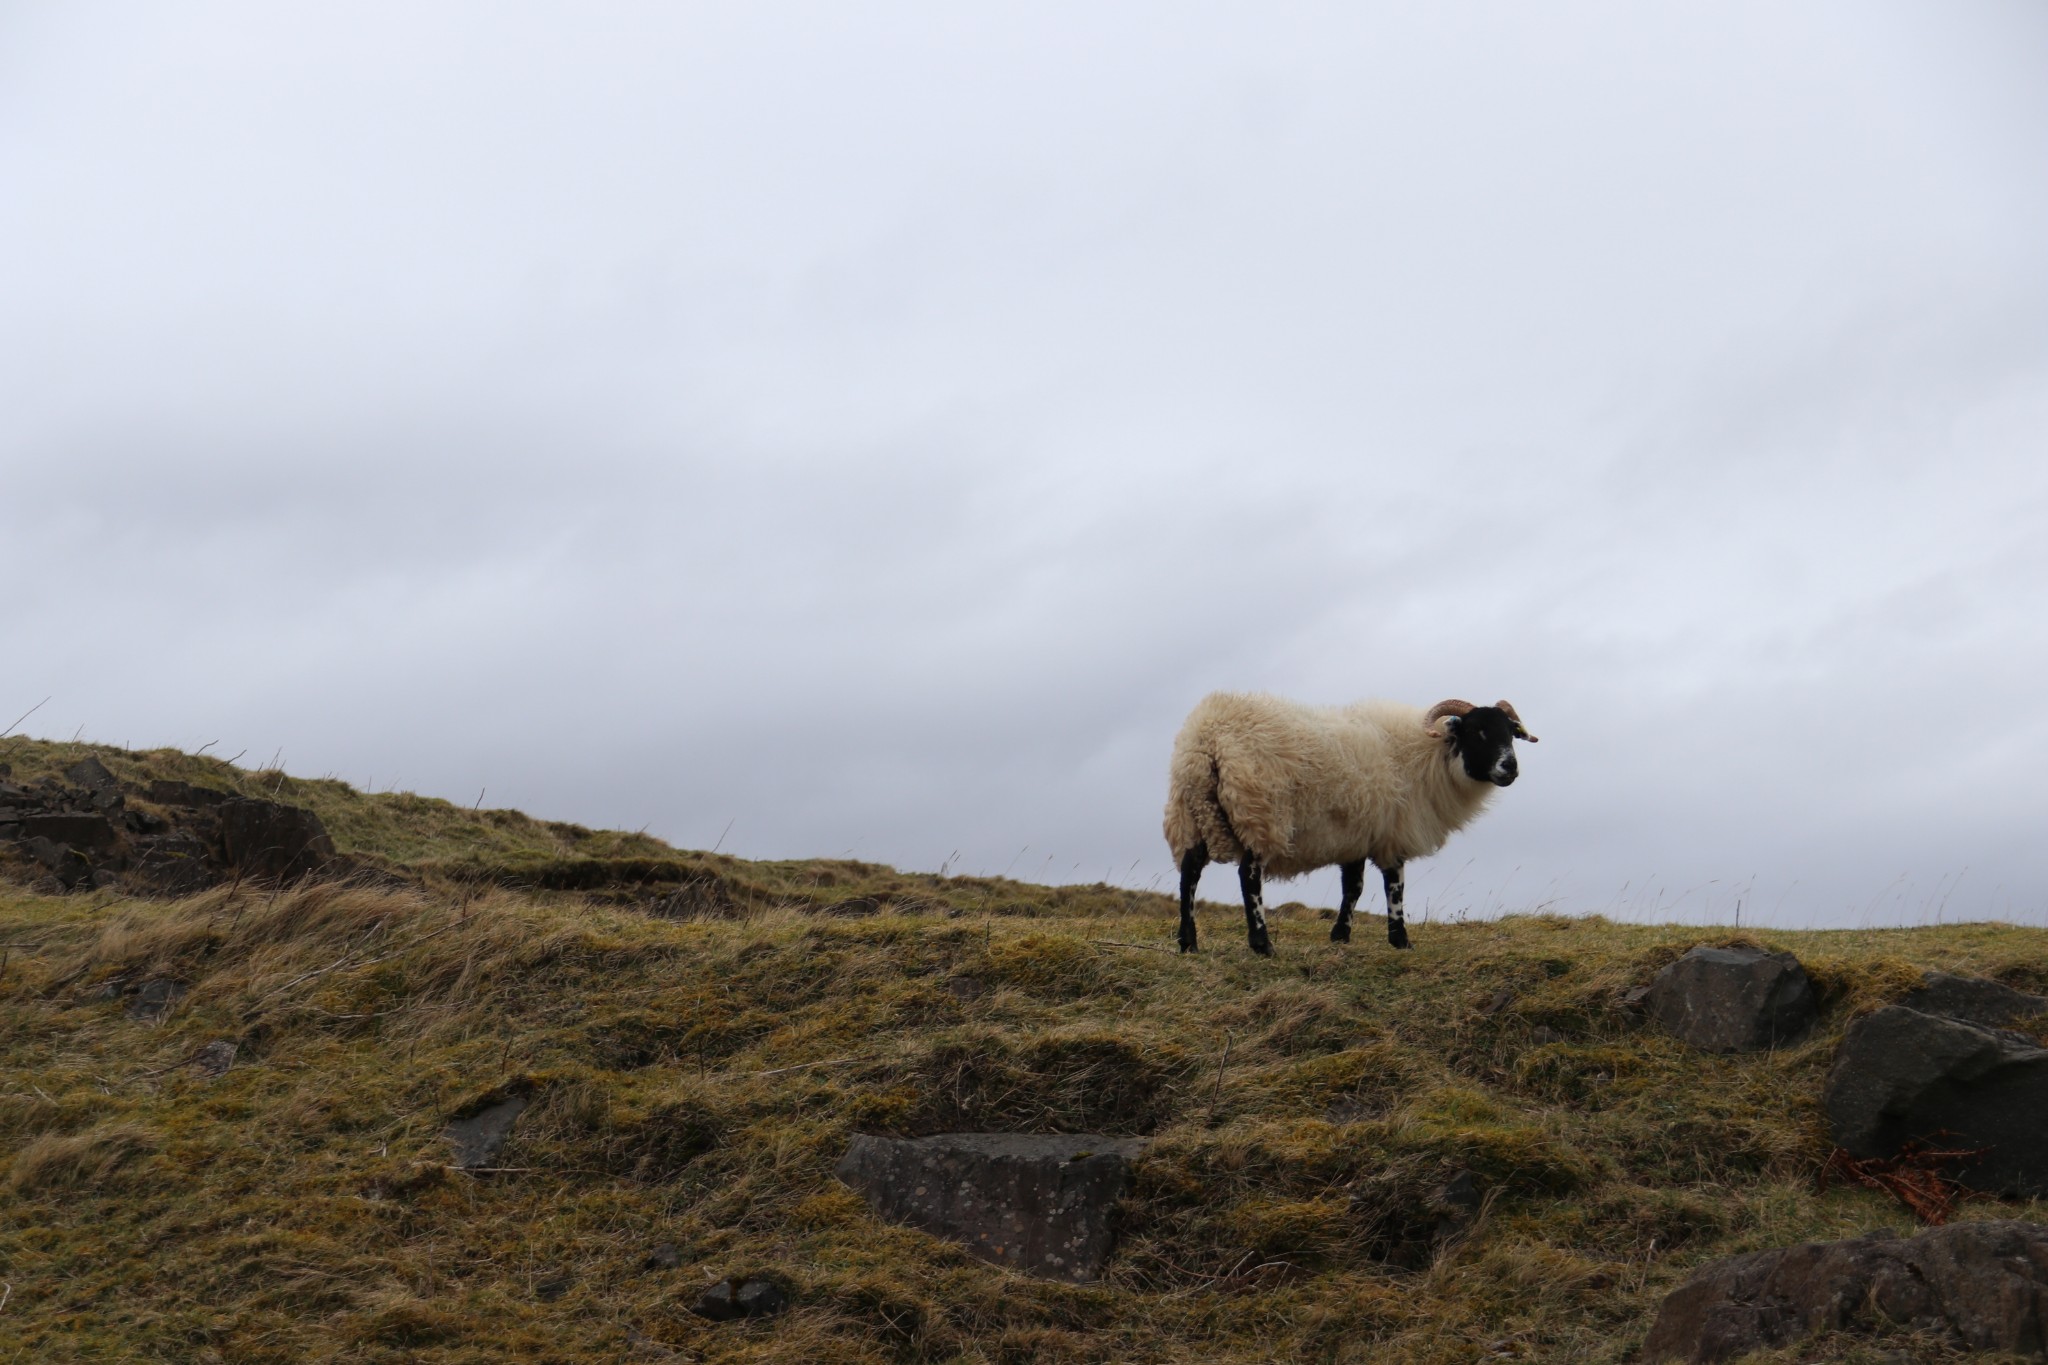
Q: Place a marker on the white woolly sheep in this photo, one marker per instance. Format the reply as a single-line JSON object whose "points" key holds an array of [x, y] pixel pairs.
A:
{"points": [[1282, 789]]}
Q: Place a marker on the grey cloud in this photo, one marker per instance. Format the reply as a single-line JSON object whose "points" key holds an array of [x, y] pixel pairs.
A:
{"points": [[875, 428]]}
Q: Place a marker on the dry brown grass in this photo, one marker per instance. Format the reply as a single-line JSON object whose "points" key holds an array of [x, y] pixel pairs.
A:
{"points": [[697, 1068]]}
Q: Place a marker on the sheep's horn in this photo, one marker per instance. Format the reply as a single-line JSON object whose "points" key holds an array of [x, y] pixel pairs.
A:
{"points": [[1507, 709], [1436, 713]]}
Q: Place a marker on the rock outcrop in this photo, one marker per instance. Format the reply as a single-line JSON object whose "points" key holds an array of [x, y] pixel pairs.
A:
{"points": [[1901, 1076], [1039, 1204], [176, 838], [1733, 999], [1977, 1286]]}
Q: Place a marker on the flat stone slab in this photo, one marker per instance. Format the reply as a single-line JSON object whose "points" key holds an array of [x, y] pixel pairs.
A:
{"points": [[1902, 1076], [77, 829], [1035, 1203], [1983, 1286], [1733, 999]]}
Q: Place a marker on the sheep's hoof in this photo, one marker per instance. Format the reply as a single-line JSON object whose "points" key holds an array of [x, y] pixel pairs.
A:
{"points": [[1263, 946], [1187, 945], [1398, 936], [1340, 932]]}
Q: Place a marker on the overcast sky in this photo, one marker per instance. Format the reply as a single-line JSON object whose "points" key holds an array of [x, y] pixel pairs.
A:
{"points": [[867, 429]]}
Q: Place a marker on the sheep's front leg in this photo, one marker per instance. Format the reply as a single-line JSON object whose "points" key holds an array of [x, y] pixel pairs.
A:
{"points": [[1397, 924], [1252, 882], [1354, 887], [1191, 864]]}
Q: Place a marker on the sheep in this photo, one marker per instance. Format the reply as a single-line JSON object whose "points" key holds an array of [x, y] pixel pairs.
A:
{"points": [[1283, 788]]}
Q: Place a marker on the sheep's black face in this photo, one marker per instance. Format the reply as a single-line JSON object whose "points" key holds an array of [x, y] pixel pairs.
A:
{"points": [[1484, 741]]}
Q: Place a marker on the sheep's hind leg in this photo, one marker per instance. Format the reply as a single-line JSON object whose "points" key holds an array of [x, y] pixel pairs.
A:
{"points": [[1397, 923], [1191, 864], [1354, 887], [1252, 882]]}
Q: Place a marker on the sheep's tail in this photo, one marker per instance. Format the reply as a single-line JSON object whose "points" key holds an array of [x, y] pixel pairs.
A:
{"points": [[1194, 814]]}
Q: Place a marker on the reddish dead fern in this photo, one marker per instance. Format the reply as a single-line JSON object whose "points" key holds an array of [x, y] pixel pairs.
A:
{"points": [[1914, 1177]]}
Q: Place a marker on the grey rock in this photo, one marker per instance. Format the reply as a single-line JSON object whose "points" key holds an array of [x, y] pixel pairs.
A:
{"points": [[718, 1303], [166, 793], [62, 861], [265, 839], [72, 869], [79, 829], [216, 1057], [1733, 999], [1039, 1204], [176, 863], [760, 1298], [754, 1297], [1973, 999], [152, 1000], [478, 1138], [1457, 1204], [1902, 1076], [92, 775], [1979, 1286], [662, 1256]]}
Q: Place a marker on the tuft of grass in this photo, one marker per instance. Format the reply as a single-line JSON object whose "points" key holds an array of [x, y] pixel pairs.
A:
{"points": [[58, 1162]]}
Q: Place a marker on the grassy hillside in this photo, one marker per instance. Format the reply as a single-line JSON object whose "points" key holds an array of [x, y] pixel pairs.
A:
{"points": [[702, 1034]]}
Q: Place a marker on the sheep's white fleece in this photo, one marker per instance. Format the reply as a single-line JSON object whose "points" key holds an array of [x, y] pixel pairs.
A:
{"points": [[1307, 786]]}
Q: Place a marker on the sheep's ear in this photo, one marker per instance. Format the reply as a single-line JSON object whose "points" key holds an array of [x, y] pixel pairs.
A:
{"points": [[1446, 727]]}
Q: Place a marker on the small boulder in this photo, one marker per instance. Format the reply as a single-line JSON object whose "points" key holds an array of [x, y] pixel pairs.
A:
{"points": [[753, 1297], [92, 775], [1733, 999], [1982, 1286], [1902, 1076], [266, 839], [216, 1058], [759, 1298], [152, 1000], [61, 861], [1035, 1203], [1973, 999], [717, 1302], [1457, 1204], [480, 1135]]}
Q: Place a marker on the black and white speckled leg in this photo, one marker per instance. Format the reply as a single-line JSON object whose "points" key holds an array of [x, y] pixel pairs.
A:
{"points": [[1252, 882], [1354, 887], [1397, 924], [1191, 864]]}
